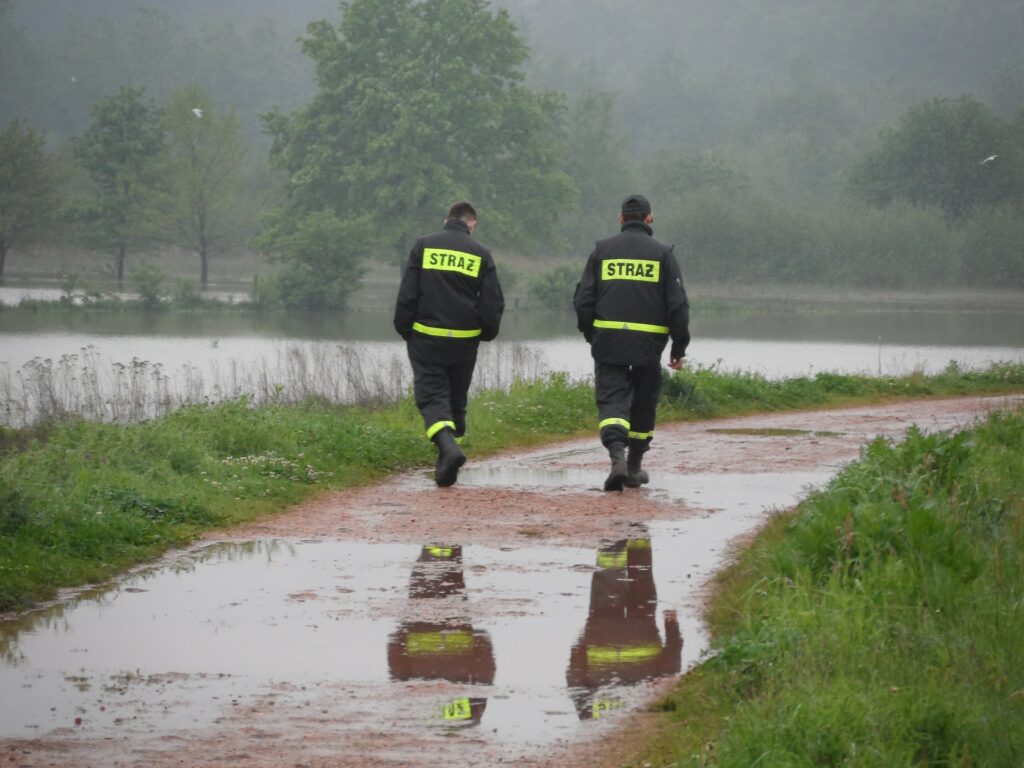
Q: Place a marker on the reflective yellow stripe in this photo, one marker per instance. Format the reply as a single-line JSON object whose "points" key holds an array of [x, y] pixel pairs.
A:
{"points": [[458, 642], [613, 423], [437, 426], [460, 709], [451, 333], [638, 544], [611, 559], [640, 435], [623, 325], [605, 655], [631, 269], [451, 261], [439, 551]]}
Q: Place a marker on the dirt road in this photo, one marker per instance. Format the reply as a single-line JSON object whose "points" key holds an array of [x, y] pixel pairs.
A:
{"points": [[520, 617]]}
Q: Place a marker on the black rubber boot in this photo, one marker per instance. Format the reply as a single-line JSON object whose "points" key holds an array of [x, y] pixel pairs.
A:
{"points": [[617, 477], [635, 474], [449, 458]]}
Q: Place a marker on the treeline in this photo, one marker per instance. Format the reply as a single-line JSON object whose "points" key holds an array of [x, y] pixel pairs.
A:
{"points": [[415, 104]]}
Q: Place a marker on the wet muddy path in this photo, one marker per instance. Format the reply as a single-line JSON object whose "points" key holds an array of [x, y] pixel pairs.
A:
{"points": [[521, 617]]}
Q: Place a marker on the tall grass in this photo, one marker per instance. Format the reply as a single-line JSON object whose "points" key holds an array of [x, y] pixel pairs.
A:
{"points": [[84, 385], [879, 624]]}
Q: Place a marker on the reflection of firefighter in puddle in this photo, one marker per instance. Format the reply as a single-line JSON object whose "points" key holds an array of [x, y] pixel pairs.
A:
{"points": [[621, 643], [439, 642]]}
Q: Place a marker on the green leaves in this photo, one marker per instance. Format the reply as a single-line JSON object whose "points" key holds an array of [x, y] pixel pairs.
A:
{"points": [[29, 185], [421, 104], [953, 153]]}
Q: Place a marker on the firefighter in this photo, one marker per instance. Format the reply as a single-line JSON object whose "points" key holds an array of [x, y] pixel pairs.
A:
{"points": [[449, 301], [630, 300], [621, 644]]}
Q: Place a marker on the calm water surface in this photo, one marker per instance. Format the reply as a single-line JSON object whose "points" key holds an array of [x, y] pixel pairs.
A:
{"points": [[210, 356]]}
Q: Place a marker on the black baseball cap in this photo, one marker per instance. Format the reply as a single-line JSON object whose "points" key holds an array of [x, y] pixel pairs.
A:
{"points": [[636, 204]]}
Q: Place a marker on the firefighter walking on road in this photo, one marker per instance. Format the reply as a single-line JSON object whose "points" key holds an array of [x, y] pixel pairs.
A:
{"points": [[449, 300], [629, 302]]}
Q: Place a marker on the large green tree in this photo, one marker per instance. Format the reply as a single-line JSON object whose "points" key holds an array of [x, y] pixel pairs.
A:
{"points": [[29, 186], [203, 207], [421, 103], [952, 153], [119, 152]]}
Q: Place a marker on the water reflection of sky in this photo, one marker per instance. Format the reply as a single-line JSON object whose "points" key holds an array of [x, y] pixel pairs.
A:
{"points": [[333, 624]]}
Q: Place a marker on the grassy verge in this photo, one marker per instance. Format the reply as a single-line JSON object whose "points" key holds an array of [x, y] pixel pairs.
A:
{"points": [[879, 624], [80, 501]]}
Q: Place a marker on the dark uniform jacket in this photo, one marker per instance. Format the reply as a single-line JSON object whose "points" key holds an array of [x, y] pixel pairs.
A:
{"points": [[449, 288], [631, 298]]}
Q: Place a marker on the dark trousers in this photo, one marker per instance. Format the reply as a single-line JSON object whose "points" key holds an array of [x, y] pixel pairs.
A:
{"points": [[442, 371], [627, 398]]}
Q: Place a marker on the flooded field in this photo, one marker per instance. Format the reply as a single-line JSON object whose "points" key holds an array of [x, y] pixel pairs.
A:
{"points": [[168, 359], [521, 616]]}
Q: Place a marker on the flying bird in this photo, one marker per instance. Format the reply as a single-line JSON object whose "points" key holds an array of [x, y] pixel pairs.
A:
{"points": [[197, 112], [988, 159]]}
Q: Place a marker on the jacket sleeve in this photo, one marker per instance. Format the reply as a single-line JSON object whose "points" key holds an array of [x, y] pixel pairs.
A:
{"points": [[678, 308], [585, 299], [408, 294], [492, 302]]}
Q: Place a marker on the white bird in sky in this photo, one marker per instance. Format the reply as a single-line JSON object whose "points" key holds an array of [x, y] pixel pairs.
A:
{"points": [[988, 159], [197, 111]]}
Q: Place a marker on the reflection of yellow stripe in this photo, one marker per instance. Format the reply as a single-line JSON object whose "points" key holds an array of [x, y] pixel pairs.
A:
{"points": [[623, 325], [606, 655], [613, 423], [638, 544], [451, 333], [611, 559], [460, 709], [604, 705], [445, 552], [449, 643]]}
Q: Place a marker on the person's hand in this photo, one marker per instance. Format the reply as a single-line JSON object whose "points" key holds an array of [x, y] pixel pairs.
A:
{"points": [[676, 363]]}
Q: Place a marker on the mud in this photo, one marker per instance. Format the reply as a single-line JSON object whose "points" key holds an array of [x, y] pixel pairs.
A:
{"points": [[522, 616]]}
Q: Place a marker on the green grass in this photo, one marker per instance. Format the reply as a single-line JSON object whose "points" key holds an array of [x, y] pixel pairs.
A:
{"points": [[879, 624], [81, 501]]}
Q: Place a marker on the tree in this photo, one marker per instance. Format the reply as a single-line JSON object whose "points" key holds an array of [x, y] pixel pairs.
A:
{"points": [[420, 104], [29, 186], [595, 158], [324, 255], [203, 207], [119, 152], [939, 154]]}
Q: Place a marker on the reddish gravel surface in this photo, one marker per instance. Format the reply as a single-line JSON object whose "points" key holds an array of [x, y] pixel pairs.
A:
{"points": [[712, 483]]}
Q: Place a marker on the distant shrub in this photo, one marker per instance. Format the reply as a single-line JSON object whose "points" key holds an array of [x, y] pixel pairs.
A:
{"points": [[554, 288]]}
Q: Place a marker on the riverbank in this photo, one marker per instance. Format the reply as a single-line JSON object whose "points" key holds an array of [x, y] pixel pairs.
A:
{"points": [[877, 624], [82, 501]]}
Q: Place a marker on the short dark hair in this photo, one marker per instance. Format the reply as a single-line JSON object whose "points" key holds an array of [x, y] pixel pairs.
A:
{"points": [[462, 210]]}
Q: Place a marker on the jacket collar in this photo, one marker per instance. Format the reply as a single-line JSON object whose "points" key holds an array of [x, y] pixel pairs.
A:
{"points": [[637, 225], [458, 225]]}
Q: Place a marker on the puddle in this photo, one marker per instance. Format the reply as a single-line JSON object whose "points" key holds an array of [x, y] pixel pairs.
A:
{"points": [[527, 647]]}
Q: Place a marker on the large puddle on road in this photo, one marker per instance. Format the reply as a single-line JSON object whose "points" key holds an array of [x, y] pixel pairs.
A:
{"points": [[519, 648]]}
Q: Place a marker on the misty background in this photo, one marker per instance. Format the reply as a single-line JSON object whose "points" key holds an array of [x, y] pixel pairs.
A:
{"points": [[778, 141]]}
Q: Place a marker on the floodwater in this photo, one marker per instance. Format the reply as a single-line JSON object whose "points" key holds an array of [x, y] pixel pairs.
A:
{"points": [[185, 358]]}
